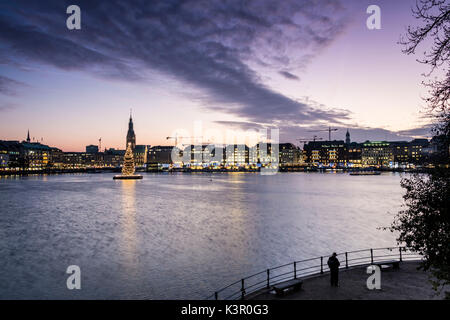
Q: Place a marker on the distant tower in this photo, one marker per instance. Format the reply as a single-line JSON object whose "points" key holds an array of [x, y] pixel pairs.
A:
{"points": [[28, 136], [347, 137], [131, 137]]}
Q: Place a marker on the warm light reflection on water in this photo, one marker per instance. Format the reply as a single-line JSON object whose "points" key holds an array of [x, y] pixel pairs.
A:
{"points": [[179, 235], [128, 220]]}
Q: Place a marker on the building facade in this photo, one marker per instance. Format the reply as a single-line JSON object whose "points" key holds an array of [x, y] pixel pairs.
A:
{"points": [[113, 157], [140, 155], [91, 149], [377, 154], [327, 153], [160, 157], [289, 155], [354, 155], [236, 156]]}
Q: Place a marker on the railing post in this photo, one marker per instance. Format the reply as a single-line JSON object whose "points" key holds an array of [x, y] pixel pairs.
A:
{"points": [[321, 265], [371, 255], [400, 250], [268, 278], [295, 270], [346, 260], [216, 295], [242, 289]]}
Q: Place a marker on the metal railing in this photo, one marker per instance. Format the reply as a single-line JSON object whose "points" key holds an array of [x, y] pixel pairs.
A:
{"points": [[310, 268]]}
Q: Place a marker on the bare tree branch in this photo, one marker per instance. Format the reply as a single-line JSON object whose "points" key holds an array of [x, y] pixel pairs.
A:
{"points": [[435, 14]]}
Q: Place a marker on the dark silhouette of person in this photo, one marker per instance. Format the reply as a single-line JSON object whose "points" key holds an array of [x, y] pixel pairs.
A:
{"points": [[333, 264]]}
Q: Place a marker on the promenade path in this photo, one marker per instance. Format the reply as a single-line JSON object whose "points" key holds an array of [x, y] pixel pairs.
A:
{"points": [[404, 284]]}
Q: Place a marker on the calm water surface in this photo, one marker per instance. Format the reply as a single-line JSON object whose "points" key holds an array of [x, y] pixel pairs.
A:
{"points": [[179, 236]]}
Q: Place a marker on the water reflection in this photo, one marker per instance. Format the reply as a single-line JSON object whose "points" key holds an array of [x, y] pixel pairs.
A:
{"points": [[180, 236], [240, 228], [128, 221]]}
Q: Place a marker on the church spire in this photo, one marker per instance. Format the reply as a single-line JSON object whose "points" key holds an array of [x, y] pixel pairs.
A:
{"points": [[28, 136], [131, 137], [347, 137]]}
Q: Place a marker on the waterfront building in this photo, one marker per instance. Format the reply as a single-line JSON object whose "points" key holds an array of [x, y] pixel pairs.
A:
{"points": [[113, 157], [160, 157], [253, 156], [216, 156], [37, 155], [415, 152], [354, 155], [140, 155], [236, 155], [289, 155], [32, 155], [26, 155], [77, 160], [326, 153], [377, 154], [91, 149], [267, 154], [56, 156], [160, 154], [4, 160], [12, 155], [203, 156], [401, 153], [304, 157]]}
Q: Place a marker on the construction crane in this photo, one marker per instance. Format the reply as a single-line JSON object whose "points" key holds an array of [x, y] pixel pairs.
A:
{"points": [[329, 131], [308, 140], [176, 137], [191, 144]]}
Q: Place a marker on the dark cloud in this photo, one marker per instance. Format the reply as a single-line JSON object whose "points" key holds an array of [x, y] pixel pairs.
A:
{"points": [[50, 48], [422, 131], [357, 134], [9, 86], [209, 44], [291, 133], [243, 125], [289, 75]]}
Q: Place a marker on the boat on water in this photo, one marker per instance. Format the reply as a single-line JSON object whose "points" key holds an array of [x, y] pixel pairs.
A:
{"points": [[365, 173]]}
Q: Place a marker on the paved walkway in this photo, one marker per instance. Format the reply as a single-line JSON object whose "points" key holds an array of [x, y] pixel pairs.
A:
{"points": [[403, 284]]}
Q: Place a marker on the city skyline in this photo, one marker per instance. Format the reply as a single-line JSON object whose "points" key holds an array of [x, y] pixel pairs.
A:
{"points": [[324, 68], [102, 148]]}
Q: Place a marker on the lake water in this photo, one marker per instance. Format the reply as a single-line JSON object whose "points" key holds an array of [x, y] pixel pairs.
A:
{"points": [[179, 236]]}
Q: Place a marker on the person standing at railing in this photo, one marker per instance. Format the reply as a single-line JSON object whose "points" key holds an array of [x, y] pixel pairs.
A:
{"points": [[333, 264]]}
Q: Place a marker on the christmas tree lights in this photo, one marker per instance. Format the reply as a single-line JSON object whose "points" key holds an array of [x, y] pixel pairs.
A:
{"points": [[128, 162]]}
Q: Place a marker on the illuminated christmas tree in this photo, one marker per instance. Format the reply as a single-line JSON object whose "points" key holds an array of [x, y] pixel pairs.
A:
{"points": [[128, 162]]}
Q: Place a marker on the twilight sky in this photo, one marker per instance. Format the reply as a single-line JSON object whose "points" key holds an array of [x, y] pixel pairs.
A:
{"points": [[297, 65]]}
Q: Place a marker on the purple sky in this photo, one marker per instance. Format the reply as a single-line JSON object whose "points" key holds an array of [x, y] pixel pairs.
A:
{"points": [[233, 65]]}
